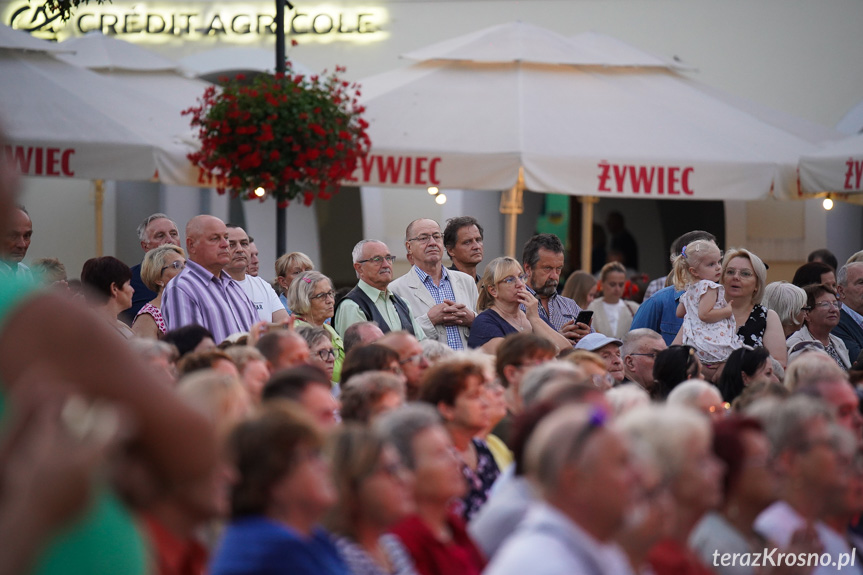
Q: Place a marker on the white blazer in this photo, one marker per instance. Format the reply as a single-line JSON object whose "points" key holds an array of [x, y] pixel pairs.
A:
{"points": [[411, 289]]}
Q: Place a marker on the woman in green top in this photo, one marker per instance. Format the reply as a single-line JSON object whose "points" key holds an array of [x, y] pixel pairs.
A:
{"points": [[312, 299], [44, 336]]}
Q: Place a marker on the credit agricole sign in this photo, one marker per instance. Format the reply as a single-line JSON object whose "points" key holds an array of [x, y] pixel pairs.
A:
{"points": [[227, 22]]}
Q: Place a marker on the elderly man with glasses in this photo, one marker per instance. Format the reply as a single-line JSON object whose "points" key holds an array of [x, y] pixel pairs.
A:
{"points": [[443, 301], [371, 300]]}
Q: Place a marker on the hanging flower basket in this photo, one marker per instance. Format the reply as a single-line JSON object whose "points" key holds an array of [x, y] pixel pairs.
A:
{"points": [[284, 136]]}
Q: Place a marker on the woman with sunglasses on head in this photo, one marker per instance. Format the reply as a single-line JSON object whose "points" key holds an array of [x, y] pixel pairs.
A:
{"points": [[820, 316], [502, 292], [312, 299], [160, 266]]}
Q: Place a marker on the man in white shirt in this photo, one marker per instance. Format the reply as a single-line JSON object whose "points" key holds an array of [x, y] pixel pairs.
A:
{"points": [[587, 484], [15, 245], [807, 450], [261, 293]]}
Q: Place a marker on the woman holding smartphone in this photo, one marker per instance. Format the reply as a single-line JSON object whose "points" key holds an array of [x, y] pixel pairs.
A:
{"points": [[502, 292]]}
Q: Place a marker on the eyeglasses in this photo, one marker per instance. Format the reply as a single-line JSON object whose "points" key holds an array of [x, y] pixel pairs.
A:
{"points": [[511, 279], [326, 354], [414, 359], [177, 265], [378, 260], [825, 305], [325, 295], [425, 238], [745, 274]]}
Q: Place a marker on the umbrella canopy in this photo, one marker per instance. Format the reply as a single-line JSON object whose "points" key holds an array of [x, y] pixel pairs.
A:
{"points": [[11, 39], [834, 168], [65, 121], [162, 81], [589, 116]]}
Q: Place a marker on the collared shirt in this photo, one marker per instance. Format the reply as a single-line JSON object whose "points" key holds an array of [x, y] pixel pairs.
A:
{"points": [[476, 276], [15, 269], [439, 294], [561, 309], [218, 303], [350, 313], [858, 319]]}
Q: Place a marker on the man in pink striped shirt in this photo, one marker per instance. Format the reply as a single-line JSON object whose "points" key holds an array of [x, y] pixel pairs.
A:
{"points": [[203, 293]]}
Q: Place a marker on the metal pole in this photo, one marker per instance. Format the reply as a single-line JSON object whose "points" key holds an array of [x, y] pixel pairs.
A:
{"points": [[99, 204], [281, 213], [587, 230]]}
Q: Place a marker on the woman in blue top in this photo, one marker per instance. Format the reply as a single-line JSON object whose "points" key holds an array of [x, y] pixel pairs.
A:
{"points": [[284, 490], [502, 295]]}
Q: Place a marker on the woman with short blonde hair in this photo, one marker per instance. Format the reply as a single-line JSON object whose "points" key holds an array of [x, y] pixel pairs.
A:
{"points": [[502, 292], [160, 266]]}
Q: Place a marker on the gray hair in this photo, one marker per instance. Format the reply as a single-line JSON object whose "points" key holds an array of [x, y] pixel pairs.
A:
{"points": [[625, 397], [855, 257], [687, 392], [809, 368], [668, 429], [401, 426], [313, 334], [786, 423], [434, 350], [149, 349], [357, 252], [633, 339], [842, 274], [545, 374], [142, 227], [786, 299], [555, 443], [301, 290]]}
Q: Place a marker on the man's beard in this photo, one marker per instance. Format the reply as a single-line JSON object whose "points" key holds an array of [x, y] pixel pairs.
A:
{"points": [[548, 290]]}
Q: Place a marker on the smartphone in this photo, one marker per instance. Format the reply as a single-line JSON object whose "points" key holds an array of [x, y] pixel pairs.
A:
{"points": [[584, 316]]}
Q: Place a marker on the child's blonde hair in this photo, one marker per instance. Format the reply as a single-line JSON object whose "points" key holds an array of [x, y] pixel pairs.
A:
{"points": [[689, 257]]}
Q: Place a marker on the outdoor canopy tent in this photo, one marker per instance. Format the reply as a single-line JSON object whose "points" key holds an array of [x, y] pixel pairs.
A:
{"points": [[835, 169], [519, 107]]}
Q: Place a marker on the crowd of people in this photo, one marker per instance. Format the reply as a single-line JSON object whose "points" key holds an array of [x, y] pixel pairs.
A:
{"points": [[184, 416]]}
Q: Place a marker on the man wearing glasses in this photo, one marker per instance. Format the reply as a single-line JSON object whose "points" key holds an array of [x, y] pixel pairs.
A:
{"points": [[156, 230], [370, 300], [640, 347], [443, 301]]}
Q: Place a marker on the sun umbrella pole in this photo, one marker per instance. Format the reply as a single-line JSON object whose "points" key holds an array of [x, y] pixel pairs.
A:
{"points": [[98, 206], [587, 230], [511, 205], [281, 213]]}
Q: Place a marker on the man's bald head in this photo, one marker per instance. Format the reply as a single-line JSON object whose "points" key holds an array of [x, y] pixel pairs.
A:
{"points": [[207, 243]]}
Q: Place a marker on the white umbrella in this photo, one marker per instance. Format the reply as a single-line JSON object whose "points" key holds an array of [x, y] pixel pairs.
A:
{"points": [[835, 168], [161, 80], [573, 119], [65, 121]]}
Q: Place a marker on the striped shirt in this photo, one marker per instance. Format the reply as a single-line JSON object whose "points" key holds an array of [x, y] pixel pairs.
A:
{"points": [[439, 294], [360, 562], [219, 304], [561, 309]]}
